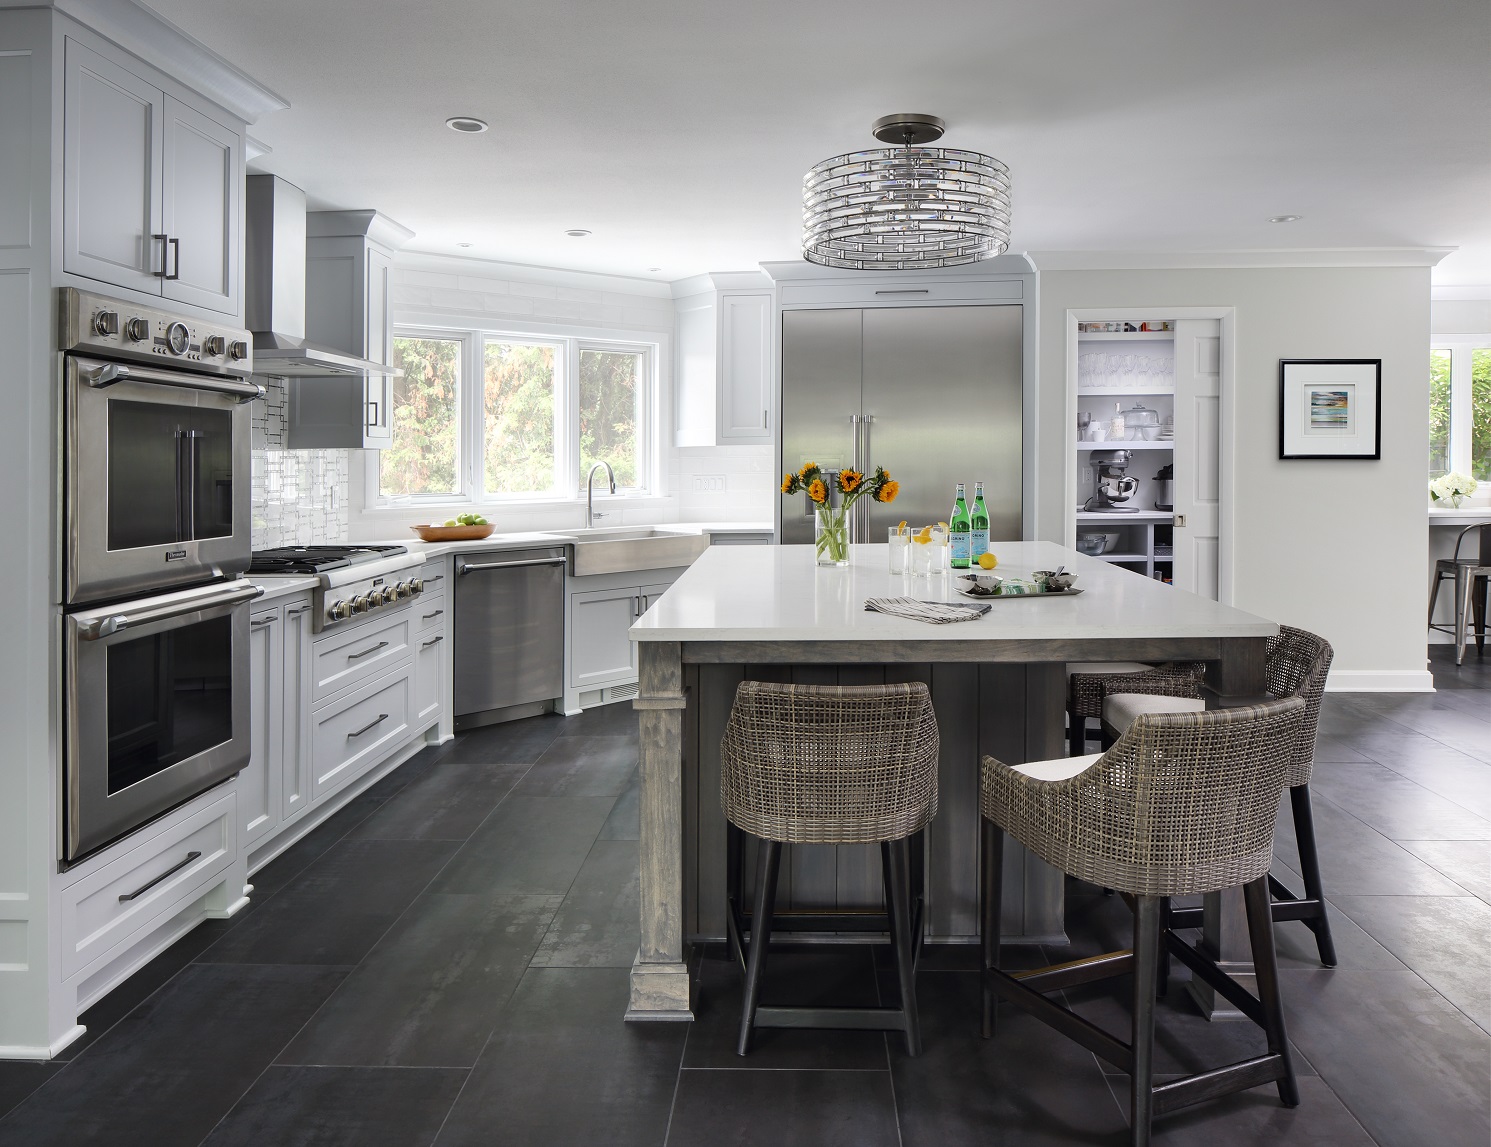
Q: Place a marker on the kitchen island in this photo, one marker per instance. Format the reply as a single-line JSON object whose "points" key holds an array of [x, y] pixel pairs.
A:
{"points": [[998, 685]]}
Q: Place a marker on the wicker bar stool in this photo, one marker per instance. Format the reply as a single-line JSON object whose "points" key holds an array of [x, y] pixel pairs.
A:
{"points": [[1088, 684], [825, 764], [1296, 664], [1182, 803]]}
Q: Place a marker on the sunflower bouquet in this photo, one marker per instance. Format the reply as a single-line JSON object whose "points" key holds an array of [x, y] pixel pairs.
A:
{"points": [[831, 525]]}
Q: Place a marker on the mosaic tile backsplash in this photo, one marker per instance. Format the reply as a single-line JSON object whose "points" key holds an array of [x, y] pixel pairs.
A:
{"points": [[300, 496]]}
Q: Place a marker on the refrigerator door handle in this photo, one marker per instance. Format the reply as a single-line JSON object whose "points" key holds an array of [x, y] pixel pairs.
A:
{"points": [[863, 465], [854, 424]]}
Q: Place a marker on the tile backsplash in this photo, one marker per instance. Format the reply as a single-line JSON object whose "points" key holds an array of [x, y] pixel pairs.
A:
{"points": [[299, 496]]}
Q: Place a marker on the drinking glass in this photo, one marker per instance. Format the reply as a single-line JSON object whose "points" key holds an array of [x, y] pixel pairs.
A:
{"points": [[899, 543], [939, 548]]}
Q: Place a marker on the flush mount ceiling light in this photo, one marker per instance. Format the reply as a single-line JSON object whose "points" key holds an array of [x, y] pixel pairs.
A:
{"points": [[906, 207], [466, 124], [1285, 218], [578, 233]]}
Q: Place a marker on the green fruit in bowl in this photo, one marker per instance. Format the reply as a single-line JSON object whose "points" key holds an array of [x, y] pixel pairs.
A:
{"points": [[451, 522]]}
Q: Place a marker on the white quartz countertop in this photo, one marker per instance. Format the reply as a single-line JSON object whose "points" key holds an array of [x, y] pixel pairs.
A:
{"points": [[429, 550], [776, 593], [280, 585]]}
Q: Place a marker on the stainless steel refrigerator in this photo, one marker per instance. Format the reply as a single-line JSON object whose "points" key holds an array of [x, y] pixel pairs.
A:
{"points": [[933, 394]]}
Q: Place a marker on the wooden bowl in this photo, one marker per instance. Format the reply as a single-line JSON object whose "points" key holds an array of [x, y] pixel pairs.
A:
{"points": [[454, 533]]}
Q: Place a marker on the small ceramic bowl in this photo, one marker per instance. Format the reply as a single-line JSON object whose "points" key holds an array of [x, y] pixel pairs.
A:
{"points": [[1053, 581]]}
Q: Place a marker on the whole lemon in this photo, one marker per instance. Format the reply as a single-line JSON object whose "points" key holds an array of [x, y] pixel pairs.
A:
{"points": [[987, 560]]}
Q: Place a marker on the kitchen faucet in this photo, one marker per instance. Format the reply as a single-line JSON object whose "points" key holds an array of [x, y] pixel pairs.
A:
{"points": [[590, 491]]}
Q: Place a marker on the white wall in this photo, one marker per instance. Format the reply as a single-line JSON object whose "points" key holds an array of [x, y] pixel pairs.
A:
{"points": [[1338, 548]]}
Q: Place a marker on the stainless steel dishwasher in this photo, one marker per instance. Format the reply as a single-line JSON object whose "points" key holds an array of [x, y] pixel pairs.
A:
{"points": [[509, 634]]}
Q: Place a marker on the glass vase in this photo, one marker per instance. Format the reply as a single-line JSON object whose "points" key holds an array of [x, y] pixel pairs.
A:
{"points": [[831, 537]]}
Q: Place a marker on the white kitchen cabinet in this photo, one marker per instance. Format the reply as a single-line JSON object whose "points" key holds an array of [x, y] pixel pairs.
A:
{"points": [[295, 772], [152, 187], [601, 653], [260, 781], [348, 306], [727, 362], [354, 733], [431, 656], [201, 209]]}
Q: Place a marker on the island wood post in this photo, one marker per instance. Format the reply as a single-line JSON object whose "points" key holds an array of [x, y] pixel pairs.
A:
{"points": [[660, 977]]}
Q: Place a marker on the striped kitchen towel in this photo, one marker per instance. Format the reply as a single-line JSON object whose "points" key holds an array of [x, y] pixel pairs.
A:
{"points": [[932, 612]]}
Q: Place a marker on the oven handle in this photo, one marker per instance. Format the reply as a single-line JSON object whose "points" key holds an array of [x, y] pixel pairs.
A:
{"points": [[110, 373], [100, 627]]}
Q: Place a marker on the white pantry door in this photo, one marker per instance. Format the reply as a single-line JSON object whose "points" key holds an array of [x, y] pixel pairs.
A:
{"points": [[1198, 478]]}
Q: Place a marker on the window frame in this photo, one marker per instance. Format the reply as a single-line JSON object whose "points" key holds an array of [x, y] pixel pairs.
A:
{"points": [[569, 343], [1460, 348]]}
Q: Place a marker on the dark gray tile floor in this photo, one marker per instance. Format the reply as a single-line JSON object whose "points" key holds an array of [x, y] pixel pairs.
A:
{"points": [[445, 962]]}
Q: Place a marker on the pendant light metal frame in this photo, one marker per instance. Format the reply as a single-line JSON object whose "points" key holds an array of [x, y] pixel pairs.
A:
{"points": [[906, 208]]}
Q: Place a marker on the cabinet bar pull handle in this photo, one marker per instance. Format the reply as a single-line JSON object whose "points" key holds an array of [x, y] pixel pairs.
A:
{"points": [[144, 888], [297, 611], [161, 274], [175, 245], [437, 577], [263, 621], [432, 641], [906, 291], [427, 616], [365, 652], [378, 720]]}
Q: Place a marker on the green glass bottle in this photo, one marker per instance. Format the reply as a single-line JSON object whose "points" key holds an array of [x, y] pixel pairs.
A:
{"points": [[958, 532], [979, 537]]}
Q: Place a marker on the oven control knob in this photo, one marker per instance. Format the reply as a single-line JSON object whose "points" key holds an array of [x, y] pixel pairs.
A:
{"points": [[137, 330], [106, 323], [339, 611], [214, 345], [237, 349], [178, 338]]}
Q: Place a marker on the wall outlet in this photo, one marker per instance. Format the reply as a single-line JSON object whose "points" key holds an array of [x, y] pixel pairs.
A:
{"points": [[709, 483]]}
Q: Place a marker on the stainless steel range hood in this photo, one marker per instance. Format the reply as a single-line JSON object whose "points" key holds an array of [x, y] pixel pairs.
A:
{"points": [[275, 273]]}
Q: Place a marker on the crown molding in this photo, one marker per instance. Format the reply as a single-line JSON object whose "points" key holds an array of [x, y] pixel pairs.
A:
{"points": [[1208, 260], [183, 57], [1461, 293], [367, 223], [797, 270], [465, 265]]}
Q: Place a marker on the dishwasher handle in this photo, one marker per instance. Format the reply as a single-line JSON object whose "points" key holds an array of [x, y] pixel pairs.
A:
{"points": [[476, 567]]}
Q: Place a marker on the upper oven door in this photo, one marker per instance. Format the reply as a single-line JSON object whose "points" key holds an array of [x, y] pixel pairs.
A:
{"points": [[156, 707], [156, 473]]}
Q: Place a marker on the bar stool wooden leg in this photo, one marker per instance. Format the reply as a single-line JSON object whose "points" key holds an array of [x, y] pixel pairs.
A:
{"points": [[898, 901], [1266, 967], [1077, 734], [766, 896], [1146, 964], [1309, 866], [991, 889]]}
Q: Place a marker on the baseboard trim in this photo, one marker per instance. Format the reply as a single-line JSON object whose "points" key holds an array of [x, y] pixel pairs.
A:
{"points": [[1379, 681], [25, 1051]]}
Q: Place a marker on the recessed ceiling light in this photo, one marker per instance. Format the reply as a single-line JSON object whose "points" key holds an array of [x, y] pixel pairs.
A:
{"points": [[654, 268], [577, 233], [463, 244], [469, 125], [1285, 218]]}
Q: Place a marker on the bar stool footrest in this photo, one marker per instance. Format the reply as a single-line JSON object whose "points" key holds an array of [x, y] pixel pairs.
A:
{"points": [[1219, 1081], [856, 1019]]}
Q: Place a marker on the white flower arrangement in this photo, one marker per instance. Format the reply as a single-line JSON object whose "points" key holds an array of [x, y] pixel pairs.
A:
{"points": [[1452, 487]]}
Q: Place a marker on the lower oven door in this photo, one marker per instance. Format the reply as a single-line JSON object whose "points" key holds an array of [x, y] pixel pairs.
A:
{"points": [[157, 707]]}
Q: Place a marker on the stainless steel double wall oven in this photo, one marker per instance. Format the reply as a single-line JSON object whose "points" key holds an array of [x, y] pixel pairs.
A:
{"points": [[155, 537]]}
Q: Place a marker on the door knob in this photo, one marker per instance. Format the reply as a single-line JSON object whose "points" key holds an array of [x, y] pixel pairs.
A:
{"points": [[1180, 520]]}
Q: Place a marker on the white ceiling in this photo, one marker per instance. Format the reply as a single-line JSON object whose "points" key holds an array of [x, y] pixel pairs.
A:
{"points": [[678, 131]]}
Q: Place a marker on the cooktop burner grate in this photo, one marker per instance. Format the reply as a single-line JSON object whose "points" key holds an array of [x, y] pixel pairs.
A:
{"points": [[317, 559]]}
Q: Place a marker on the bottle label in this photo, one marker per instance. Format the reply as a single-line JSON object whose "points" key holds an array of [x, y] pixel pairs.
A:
{"points": [[980, 543], [959, 547]]}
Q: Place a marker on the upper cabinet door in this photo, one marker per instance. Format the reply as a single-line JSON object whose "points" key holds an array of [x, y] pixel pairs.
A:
{"points": [[745, 368], [201, 209], [377, 431], [111, 184]]}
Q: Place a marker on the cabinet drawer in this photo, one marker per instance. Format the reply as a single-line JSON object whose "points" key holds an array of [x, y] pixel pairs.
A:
{"points": [[430, 612], [359, 731], [906, 293], [155, 878], [345, 659]]}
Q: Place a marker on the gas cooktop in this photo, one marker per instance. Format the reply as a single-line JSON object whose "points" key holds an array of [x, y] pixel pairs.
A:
{"points": [[317, 559]]}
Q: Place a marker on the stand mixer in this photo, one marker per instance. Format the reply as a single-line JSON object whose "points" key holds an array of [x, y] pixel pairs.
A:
{"points": [[1111, 485]]}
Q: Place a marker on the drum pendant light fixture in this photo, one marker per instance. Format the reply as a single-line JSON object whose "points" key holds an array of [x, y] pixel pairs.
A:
{"points": [[906, 207]]}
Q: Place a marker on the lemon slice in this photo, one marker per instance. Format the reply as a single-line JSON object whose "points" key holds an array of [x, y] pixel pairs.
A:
{"points": [[901, 529]]}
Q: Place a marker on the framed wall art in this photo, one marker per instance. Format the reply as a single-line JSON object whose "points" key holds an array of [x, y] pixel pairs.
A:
{"points": [[1329, 408]]}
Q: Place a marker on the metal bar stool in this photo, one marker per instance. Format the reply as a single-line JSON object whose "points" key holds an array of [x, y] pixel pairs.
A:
{"points": [[825, 764], [1088, 684], [1182, 803], [1296, 663], [1472, 578]]}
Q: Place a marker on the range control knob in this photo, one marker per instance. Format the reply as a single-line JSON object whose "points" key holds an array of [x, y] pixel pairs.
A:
{"points": [[362, 603], [214, 345], [416, 585], [137, 330], [106, 323], [406, 589], [339, 611], [380, 597], [237, 349]]}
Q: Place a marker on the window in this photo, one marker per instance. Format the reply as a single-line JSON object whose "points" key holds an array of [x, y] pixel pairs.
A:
{"points": [[485, 416], [1460, 408]]}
